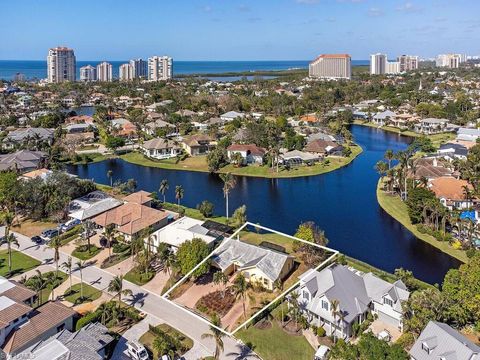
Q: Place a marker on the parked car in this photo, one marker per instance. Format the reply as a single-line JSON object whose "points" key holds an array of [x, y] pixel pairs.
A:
{"points": [[36, 239], [322, 352], [137, 351], [165, 357], [48, 235], [69, 225]]}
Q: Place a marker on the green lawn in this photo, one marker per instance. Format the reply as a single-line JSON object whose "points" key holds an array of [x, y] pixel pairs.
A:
{"points": [[139, 278], [20, 263], [274, 343], [193, 213], [82, 253], [257, 239], [396, 208], [199, 163], [148, 338], [89, 294]]}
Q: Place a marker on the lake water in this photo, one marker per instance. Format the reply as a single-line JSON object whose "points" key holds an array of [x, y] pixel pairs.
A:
{"points": [[343, 203]]}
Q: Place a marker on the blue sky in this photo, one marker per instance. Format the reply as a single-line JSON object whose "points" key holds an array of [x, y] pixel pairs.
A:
{"points": [[238, 30]]}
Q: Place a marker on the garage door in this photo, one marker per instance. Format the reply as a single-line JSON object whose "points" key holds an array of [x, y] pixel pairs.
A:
{"points": [[387, 319]]}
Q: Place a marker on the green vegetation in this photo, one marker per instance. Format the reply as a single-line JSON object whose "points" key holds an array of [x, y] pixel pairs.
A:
{"points": [[20, 263], [44, 283], [82, 252], [190, 254], [89, 294], [396, 208], [139, 277], [275, 343], [163, 339], [193, 213]]}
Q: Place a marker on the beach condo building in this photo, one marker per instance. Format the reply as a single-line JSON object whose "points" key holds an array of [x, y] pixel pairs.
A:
{"points": [[159, 68], [88, 73], [104, 71], [125, 72], [408, 62], [139, 68], [61, 65], [331, 67], [378, 64]]}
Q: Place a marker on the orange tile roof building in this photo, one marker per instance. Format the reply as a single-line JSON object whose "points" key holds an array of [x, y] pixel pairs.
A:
{"points": [[451, 192]]}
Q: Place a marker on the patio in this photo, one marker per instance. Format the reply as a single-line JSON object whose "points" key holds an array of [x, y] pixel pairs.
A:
{"points": [[378, 326]]}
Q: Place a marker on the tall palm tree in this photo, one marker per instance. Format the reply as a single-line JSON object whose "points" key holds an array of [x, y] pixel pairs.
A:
{"points": [[110, 233], [10, 240], [55, 244], [116, 286], [220, 278], [37, 284], [87, 230], [240, 287], [167, 257], [334, 309], [110, 176], [68, 265], [229, 182], [216, 335], [389, 156], [81, 264], [51, 279], [164, 186], [179, 192]]}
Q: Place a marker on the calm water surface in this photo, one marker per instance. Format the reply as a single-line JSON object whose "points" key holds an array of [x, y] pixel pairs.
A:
{"points": [[343, 203]]}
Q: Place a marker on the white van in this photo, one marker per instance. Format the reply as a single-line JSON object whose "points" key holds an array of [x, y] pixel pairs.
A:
{"points": [[322, 352], [137, 351]]}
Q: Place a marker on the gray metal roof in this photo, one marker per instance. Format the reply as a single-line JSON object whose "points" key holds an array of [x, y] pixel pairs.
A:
{"points": [[22, 134], [443, 343], [377, 288]]}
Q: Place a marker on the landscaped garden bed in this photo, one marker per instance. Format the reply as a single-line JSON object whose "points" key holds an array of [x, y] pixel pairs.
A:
{"points": [[83, 252], [163, 339], [74, 295], [139, 277], [218, 302]]}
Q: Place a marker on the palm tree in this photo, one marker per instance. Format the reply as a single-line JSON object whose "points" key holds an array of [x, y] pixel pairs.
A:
{"points": [[334, 308], [10, 240], [116, 286], [110, 233], [87, 230], [51, 279], [467, 193], [68, 265], [229, 182], [240, 287], [163, 188], [389, 156], [55, 244], [110, 176], [216, 335], [37, 284], [167, 257], [179, 192], [220, 278], [80, 266]]}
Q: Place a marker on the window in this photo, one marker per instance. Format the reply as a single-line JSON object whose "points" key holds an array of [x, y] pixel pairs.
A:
{"points": [[389, 302], [425, 348], [325, 305]]}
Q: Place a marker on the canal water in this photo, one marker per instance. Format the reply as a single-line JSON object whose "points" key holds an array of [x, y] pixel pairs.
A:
{"points": [[343, 203]]}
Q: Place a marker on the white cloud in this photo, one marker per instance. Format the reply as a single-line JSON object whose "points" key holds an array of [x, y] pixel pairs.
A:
{"points": [[374, 12], [409, 7]]}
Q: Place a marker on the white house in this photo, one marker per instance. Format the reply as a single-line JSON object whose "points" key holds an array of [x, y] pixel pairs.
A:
{"points": [[251, 153], [161, 149], [231, 115]]}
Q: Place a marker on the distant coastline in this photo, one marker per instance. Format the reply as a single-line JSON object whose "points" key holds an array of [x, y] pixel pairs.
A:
{"points": [[37, 69]]}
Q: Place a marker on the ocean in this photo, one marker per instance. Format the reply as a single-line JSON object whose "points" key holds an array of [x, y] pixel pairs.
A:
{"points": [[37, 69]]}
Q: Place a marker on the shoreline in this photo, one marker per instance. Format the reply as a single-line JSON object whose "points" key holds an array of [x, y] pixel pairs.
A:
{"points": [[397, 209], [195, 164]]}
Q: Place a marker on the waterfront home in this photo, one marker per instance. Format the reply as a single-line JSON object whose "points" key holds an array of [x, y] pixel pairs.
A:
{"points": [[322, 136], [140, 197], [404, 121], [452, 151], [360, 115], [22, 161], [439, 341], [199, 144], [79, 119], [259, 265], [161, 148], [88, 343], [27, 137], [43, 174], [356, 295], [123, 127], [151, 127], [251, 153], [383, 118], [231, 115], [79, 128], [179, 231], [452, 192], [296, 157], [324, 148], [431, 126], [131, 218], [466, 134], [429, 168], [32, 325], [91, 205]]}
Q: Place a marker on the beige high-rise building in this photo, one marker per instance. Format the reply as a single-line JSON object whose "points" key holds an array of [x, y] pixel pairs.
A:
{"points": [[451, 61], [331, 66], [88, 73], [408, 62], [126, 72], [392, 67], [159, 68], [104, 71], [378, 64], [61, 65]]}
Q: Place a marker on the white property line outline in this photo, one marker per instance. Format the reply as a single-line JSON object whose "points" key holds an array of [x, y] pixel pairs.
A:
{"points": [[257, 226]]}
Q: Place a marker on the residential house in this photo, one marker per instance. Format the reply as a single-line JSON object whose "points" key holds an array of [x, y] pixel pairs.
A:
{"points": [[231, 115], [466, 134], [92, 205], [123, 127], [43, 174], [17, 292], [251, 153], [27, 136], [140, 197], [356, 295], [199, 144], [324, 148], [429, 168], [452, 151], [259, 265], [161, 149], [322, 136], [22, 160], [295, 157], [34, 325], [89, 343], [431, 126], [438, 341], [157, 124], [383, 118], [451, 192]]}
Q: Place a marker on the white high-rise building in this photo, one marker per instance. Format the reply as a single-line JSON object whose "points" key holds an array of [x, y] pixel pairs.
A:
{"points": [[104, 71], [331, 66], [378, 64], [408, 62], [159, 68], [61, 65], [451, 61], [88, 73], [392, 67], [126, 72], [139, 68]]}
